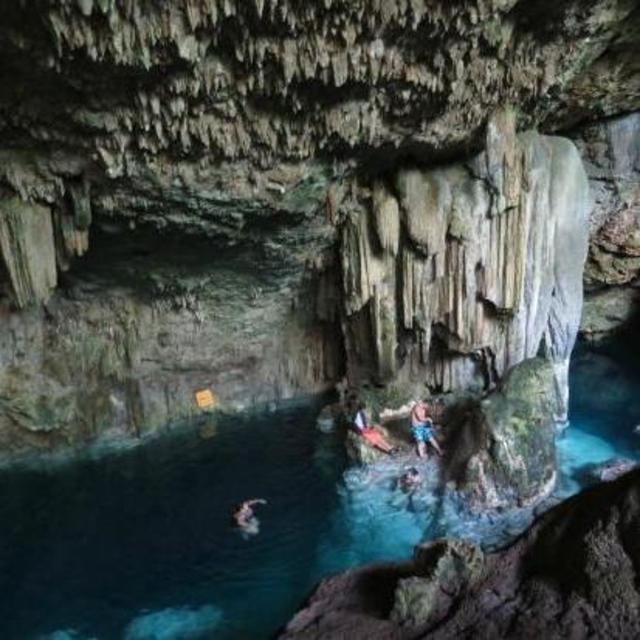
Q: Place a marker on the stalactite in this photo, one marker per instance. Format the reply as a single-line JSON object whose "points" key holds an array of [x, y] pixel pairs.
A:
{"points": [[485, 278], [27, 250]]}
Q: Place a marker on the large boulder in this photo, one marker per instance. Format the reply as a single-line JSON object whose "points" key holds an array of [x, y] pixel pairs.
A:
{"points": [[501, 451]]}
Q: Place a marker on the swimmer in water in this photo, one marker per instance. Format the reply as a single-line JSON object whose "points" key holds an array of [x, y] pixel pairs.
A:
{"points": [[410, 480], [244, 517]]}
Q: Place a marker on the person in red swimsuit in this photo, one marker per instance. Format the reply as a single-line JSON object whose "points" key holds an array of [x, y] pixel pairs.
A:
{"points": [[369, 432]]}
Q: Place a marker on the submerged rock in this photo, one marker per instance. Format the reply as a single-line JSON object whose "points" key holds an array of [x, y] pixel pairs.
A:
{"points": [[609, 470], [329, 418], [572, 574], [65, 634]]}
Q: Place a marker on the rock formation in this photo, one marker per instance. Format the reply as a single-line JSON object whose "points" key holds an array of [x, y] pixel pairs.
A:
{"points": [[611, 153], [454, 275], [573, 574], [501, 450], [122, 350], [298, 143]]}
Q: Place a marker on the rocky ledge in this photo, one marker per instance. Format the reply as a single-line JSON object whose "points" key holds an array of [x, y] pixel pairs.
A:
{"points": [[573, 574]]}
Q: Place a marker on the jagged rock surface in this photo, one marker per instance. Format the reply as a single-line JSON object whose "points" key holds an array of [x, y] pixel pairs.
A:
{"points": [[206, 114], [445, 567], [611, 153], [572, 575], [608, 311]]}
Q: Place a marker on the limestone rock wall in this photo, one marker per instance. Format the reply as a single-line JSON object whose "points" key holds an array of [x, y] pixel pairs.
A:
{"points": [[44, 222], [271, 78], [207, 114], [28, 250], [453, 275], [611, 153], [121, 350]]}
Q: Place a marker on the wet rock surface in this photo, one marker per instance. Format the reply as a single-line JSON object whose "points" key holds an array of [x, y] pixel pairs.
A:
{"points": [[610, 470], [572, 574], [499, 450], [445, 568]]}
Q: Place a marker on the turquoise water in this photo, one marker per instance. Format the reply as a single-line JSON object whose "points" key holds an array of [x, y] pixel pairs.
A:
{"points": [[139, 545]]}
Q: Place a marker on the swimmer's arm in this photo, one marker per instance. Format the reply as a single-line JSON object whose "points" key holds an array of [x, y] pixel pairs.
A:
{"points": [[250, 503]]}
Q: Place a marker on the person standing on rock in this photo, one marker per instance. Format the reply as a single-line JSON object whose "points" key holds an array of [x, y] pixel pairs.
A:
{"points": [[422, 428]]}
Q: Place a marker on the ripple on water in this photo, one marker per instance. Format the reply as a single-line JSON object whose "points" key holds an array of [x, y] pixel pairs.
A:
{"points": [[186, 623]]}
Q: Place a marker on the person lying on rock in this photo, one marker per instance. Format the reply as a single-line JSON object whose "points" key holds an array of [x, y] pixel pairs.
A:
{"points": [[245, 518], [370, 434], [422, 428]]}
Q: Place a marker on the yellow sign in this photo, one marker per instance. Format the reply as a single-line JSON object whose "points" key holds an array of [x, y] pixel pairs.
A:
{"points": [[206, 399]]}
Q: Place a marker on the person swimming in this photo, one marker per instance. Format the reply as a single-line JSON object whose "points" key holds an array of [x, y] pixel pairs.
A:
{"points": [[244, 517], [409, 480]]}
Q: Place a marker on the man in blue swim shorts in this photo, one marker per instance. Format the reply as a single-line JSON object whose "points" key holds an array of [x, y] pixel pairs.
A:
{"points": [[422, 428]]}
